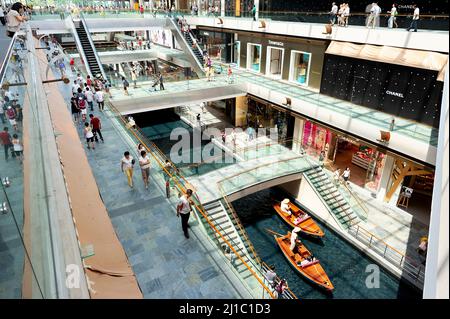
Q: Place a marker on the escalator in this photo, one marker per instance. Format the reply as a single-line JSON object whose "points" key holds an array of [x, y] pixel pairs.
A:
{"points": [[185, 40], [93, 64]]}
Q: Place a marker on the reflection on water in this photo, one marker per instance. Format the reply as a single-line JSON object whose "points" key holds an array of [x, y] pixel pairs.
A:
{"points": [[345, 265], [159, 133]]}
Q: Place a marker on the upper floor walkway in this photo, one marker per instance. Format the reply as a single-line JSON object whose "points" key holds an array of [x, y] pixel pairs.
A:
{"points": [[430, 40]]}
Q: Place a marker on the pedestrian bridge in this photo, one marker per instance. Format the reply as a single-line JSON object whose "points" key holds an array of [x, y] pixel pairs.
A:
{"points": [[244, 178]]}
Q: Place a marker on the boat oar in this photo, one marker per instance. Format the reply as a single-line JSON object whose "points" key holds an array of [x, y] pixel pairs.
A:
{"points": [[273, 232]]}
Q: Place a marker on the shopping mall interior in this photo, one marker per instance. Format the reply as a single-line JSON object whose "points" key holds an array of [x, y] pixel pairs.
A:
{"points": [[248, 123]]}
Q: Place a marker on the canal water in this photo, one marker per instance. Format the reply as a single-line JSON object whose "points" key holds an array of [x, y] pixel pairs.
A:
{"points": [[344, 264], [158, 128]]}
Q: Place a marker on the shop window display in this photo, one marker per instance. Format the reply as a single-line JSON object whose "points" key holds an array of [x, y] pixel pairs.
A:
{"points": [[254, 57], [316, 139], [300, 65]]}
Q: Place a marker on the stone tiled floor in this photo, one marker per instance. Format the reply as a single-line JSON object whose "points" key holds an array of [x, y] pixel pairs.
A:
{"points": [[166, 264]]}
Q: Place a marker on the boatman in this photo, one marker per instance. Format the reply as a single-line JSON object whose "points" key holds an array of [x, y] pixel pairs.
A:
{"points": [[294, 238], [285, 208]]}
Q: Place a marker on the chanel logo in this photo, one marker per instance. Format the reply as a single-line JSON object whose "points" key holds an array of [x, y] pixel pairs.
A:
{"points": [[397, 94]]}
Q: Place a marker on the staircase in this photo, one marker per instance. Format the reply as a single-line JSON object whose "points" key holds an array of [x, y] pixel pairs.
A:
{"points": [[330, 194], [86, 45], [224, 224]]}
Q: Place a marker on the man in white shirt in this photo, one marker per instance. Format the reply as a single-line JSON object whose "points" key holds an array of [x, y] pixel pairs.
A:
{"points": [[415, 19], [184, 210], [99, 97], [374, 15], [75, 87], [89, 98], [285, 207], [294, 238], [79, 79], [333, 13]]}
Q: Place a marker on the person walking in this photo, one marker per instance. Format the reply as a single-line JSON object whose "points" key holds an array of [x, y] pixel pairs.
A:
{"points": [[75, 109], [374, 16], [125, 85], [134, 78], [254, 12], [346, 174], [2, 111], [100, 98], [5, 139], [17, 147], [11, 115], [415, 19], [161, 82], [89, 135], [393, 18], [230, 74], [2, 15], [345, 14], [96, 126], [184, 210], [144, 163], [333, 13], [127, 165], [89, 98]]}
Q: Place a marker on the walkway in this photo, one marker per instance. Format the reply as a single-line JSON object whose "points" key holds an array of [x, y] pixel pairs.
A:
{"points": [[166, 264]]}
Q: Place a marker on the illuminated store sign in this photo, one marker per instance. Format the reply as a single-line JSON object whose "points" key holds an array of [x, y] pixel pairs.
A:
{"points": [[397, 94], [281, 44]]}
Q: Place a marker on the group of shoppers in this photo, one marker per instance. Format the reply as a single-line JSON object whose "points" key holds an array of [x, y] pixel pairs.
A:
{"points": [[340, 15]]}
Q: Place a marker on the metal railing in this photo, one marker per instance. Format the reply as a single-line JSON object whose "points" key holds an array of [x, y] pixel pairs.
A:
{"points": [[182, 185], [288, 294], [238, 223], [408, 266]]}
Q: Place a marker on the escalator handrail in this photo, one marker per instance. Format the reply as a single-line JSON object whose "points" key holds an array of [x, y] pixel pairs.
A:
{"points": [[91, 42], [78, 44], [7, 58], [174, 24]]}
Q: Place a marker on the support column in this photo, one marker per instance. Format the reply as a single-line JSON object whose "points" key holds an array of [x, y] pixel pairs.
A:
{"points": [[436, 272], [222, 8], [385, 177], [257, 9], [298, 133]]}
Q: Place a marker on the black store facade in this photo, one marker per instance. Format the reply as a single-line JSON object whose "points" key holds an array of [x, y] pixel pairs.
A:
{"points": [[407, 86]]}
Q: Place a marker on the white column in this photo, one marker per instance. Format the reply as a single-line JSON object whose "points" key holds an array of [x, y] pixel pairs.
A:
{"points": [[386, 176], [257, 8], [222, 8], [436, 272], [298, 134]]}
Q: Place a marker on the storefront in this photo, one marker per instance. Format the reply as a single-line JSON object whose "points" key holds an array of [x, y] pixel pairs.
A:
{"points": [[338, 151], [254, 57], [296, 60], [263, 115], [218, 45], [401, 82], [300, 67]]}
